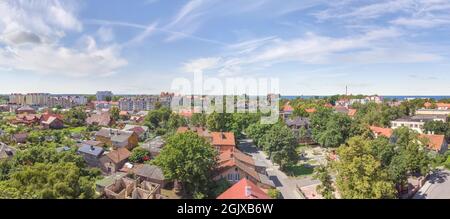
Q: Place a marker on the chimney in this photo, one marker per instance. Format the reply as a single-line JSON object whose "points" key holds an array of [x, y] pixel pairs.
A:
{"points": [[223, 135], [248, 191], [92, 148]]}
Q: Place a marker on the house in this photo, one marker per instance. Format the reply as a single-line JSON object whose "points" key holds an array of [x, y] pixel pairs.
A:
{"points": [[26, 119], [113, 161], [151, 173], [53, 123], [416, 122], [298, 123], [25, 110], [126, 188], [244, 189], [91, 155], [63, 149], [443, 106], [436, 143], [141, 131], [20, 138], [287, 110], [6, 152], [223, 141], [379, 131], [101, 119], [433, 112], [117, 138], [346, 110], [154, 146], [101, 184], [234, 165], [137, 119], [201, 131], [344, 102]]}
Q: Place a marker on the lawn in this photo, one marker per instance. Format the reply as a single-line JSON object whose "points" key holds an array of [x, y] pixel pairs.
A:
{"points": [[299, 170], [77, 129]]}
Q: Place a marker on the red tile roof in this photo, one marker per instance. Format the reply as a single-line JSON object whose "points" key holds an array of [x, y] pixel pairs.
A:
{"points": [[223, 138], [287, 107], [435, 142], [119, 155], [386, 132], [244, 189], [352, 112], [443, 105], [311, 110]]}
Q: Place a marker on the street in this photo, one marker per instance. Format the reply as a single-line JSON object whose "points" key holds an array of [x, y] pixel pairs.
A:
{"points": [[286, 185], [437, 187]]}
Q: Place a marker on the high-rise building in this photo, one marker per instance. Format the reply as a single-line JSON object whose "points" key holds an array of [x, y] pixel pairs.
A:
{"points": [[104, 95]]}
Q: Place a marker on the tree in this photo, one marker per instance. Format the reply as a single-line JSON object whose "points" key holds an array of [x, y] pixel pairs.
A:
{"points": [[256, 131], [274, 193], [189, 159], [75, 117], [48, 181], [330, 129], [139, 155], [438, 128], [359, 174], [218, 122], [280, 143], [198, 119], [326, 188], [115, 113]]}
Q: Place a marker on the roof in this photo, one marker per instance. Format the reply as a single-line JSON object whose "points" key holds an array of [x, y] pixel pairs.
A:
{"points": [[20, 135], [298, 121], [92, 150], [50, 120], [201, 131], [244, 189], [118, 155], [109, 180], [154, 145], [136, 128], [287, 107], [116, 135], [223, 138], [25, 108], [443, 105], [387, 132], [102, 119], [435, 141], [47, 115], [352, 112], [150, 171], [235, 158], [311, 110]]}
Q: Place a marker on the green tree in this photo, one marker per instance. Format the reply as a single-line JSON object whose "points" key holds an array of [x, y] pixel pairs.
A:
{"points": [[326, 188], [189, 159], [115, 113], [274, 194], [217, 122], [280, 143], [256, 131], [139, 155], [359, 174], [75, 117]]}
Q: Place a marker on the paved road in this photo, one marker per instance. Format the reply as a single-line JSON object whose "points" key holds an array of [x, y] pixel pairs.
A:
{"points": [[285, 184], [437, 187]]}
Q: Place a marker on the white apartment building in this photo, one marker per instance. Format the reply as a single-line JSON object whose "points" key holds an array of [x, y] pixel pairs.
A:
{"points": [[416, 122], [103, 95], [32, 99]]}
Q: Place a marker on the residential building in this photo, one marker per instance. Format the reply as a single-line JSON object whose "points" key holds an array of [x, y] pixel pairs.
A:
{"points": [[100, 119], [114, 160], [433, 112], [416, 122], [300, 123], [223, 141], [25, 110], [436, 143], [380, 131], [141, 131], [154, 146], [103, 105], [117, 138], [443, 106], [287, 110], [31, 99], [104, 95], [244, 189], [136, 104], [20, 138], [91, 154], [234, 165], [151, 173], [53, 122]]}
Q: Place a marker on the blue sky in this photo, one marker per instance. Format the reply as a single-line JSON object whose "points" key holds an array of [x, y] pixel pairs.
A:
{"points": [[314, 47]]}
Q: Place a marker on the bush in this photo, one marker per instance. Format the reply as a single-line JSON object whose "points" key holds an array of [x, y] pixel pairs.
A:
{"points": [[274, 193], [139, 155]]}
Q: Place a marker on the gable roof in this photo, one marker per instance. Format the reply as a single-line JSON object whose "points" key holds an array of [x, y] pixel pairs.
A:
{"points": [[235, 158], [435, 142], [244, 189], [103, 119], [223, 138], [287, 107], [6, 151], [118, 155], [386, 132], [150, 171]]}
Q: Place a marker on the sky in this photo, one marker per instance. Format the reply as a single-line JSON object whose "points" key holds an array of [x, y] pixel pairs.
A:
{"points": [[314, 47]]}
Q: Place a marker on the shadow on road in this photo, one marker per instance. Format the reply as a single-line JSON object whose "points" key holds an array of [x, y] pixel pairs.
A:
{"points": [[275, 181]]}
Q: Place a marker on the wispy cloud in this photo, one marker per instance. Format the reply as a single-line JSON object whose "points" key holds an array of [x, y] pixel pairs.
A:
{"points": [[31, 34]]}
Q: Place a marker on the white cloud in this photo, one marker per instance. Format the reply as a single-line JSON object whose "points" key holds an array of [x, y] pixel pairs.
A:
{"points": [[31, 39], [200, 65]]}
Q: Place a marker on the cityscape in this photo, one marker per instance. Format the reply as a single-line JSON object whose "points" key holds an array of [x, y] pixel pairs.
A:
{"points": [[224, 100]]}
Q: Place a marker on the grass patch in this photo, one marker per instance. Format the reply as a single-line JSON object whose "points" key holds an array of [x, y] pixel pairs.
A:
{"points": [[77, 129], [299, 170]]}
